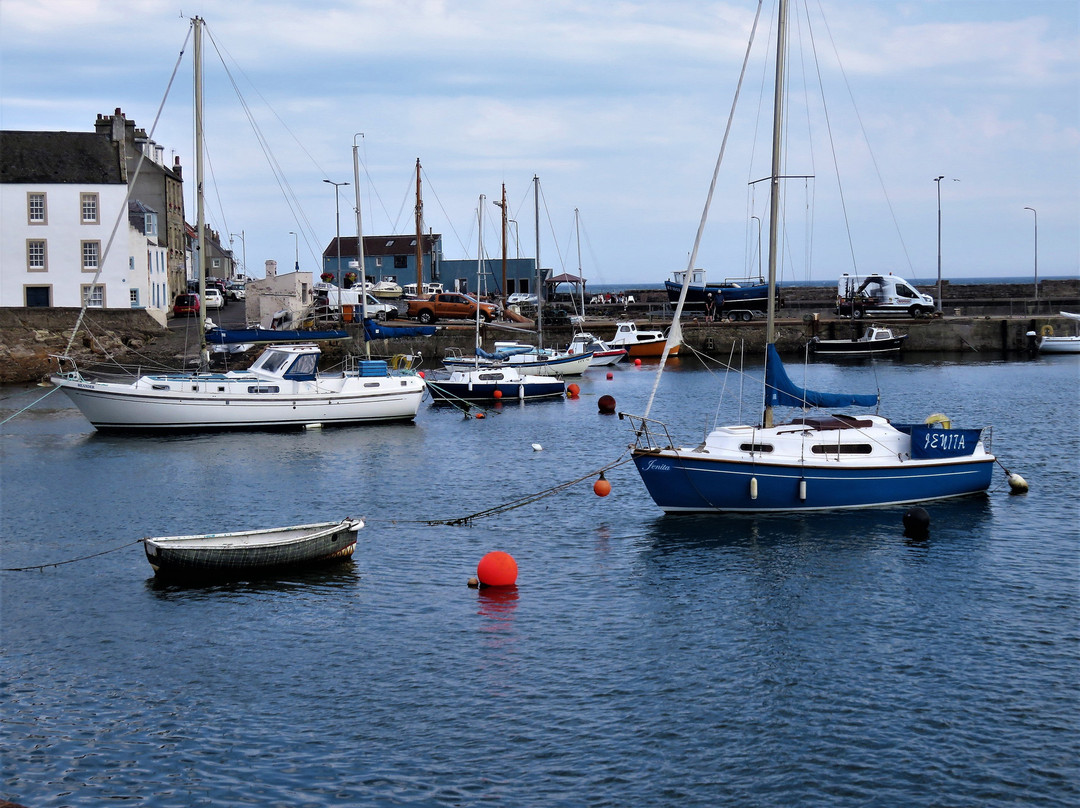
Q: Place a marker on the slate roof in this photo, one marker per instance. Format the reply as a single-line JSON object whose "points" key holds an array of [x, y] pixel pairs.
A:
{"points": [[83, 158], [383, 245]]}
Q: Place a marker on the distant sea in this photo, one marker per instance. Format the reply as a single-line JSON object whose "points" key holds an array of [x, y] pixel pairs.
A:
{"points": [[625, 287]]}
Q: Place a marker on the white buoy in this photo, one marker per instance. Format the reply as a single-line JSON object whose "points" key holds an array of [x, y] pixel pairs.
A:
{"points": [[753, 488], [537, 447], [1017, 484]]}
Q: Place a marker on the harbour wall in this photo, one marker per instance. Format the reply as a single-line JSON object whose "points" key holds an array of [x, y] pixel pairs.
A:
{"points": [[977, 318]]}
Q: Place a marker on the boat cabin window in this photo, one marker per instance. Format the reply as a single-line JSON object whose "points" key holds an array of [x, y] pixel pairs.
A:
{"points": [[263, 388], [491, 377], [272, 361], [842, 448], [756, 447], [303, 367]]}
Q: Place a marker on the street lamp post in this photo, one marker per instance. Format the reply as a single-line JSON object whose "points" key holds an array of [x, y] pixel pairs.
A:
{"points": [[1036, 257], [296, 240], [938, 180], [243, 242], [337, 239]]}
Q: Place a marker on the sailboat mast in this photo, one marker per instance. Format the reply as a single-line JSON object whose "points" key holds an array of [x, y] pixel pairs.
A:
{"points": [[419, 235], [200, 219], [360, 240], [581, 280], [539, 272], [504, 222], [774, 184]]}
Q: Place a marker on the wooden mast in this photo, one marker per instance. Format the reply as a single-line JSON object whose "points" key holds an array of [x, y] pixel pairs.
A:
{"points": [[419, 235]]}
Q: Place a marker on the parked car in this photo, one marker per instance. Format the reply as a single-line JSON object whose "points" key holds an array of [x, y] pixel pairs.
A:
{"points": [[186, 305], [214, 298], [235, 291], [215, 283]]}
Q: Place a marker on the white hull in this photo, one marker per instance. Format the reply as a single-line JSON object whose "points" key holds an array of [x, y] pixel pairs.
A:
{"points": [[1059, 345], [259, 397]]}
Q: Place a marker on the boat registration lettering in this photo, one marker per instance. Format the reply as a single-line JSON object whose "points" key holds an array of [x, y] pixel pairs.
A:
{"points": [[944, 440]]}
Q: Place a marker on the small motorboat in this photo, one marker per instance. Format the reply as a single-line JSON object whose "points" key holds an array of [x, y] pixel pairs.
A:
{"points": [[496, 383], [875, 341], [602, 353], [638, 344], [253, 551], [526, 358]]}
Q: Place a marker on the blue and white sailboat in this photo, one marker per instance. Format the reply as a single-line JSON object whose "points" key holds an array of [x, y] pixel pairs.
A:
{"points": [[811, 462]]}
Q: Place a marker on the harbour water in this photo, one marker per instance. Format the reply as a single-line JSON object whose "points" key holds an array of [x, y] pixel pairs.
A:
{"points": [[642, 659]]}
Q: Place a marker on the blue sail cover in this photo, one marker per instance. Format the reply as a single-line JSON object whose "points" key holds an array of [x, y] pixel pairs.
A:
{"points": [[235, 336], [780, 391], [372, 330], [503, 353]]}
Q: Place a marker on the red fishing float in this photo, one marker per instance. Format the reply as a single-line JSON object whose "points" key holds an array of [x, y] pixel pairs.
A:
{"points": [[610, 375], [601, 487], [497, 394], [572, 390], [637, 363], [497, 569]]}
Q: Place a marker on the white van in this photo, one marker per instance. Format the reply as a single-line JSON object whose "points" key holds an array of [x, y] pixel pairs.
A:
{"points": [[880, 295]]}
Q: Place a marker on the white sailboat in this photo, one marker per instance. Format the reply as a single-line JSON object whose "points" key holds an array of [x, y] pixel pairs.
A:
{"points": [[1050, 343], [284, 386], [811, 462]]}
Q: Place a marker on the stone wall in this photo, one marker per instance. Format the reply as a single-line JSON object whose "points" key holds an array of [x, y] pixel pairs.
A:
{"points": [[29, 335]]}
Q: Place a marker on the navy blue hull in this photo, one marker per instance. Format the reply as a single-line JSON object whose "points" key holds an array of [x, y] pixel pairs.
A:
{"points": [[685, 483]]}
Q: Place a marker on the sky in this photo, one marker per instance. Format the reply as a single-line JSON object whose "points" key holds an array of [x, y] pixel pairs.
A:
{"points": [[619, 108]]}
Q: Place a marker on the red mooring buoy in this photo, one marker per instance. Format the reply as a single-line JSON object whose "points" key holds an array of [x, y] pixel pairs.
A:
{"points": [[606, 404], [572, 390], [497, 569], [601, 487], [637, 363], [610, 375]]}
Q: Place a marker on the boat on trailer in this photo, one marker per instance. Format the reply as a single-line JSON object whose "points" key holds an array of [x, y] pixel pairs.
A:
{"points": [[253, 551]]}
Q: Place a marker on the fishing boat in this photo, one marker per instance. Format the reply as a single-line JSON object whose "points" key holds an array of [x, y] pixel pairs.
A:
{"points": [[252, 551], [284, 386], [874, 341], [729, 294], [641, 344], [602, 353], [1064, 344], [484, 377], [811, 462]]}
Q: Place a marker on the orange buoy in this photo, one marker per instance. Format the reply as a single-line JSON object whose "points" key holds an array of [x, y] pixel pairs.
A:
{"points": [[637, 363], [606, 404], [601, 487], [497, 394], [481, 414], [497, 569], [572, 390], [610, 375]]}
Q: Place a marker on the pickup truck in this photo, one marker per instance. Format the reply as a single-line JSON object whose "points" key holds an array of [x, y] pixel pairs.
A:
{"points": [[449, 306]]}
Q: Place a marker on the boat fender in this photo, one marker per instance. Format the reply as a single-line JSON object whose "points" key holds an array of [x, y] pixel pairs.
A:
{"points": [[939, 419], [1047, 330], [753, 488], [1017, 484]]}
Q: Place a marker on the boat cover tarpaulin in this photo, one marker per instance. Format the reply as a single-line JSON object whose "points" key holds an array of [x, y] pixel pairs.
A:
{"points": [[234, 336], [372, 330], [780, 391]]}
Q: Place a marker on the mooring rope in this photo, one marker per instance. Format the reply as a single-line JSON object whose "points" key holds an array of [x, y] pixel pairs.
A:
{"points": [[70, 560], [28, 406]]}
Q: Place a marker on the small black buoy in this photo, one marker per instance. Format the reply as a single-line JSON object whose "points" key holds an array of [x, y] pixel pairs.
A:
{"points": [[916, 523]]}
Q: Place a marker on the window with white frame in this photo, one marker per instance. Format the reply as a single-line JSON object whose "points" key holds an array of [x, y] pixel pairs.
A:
{"points": [[36, 256], [134, 293], [93, 296], [91, 254], [89, 206], [151, 224], [35, 208]]}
